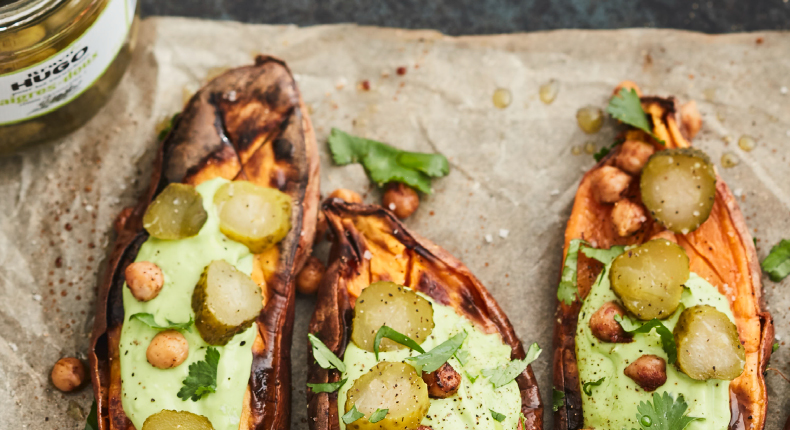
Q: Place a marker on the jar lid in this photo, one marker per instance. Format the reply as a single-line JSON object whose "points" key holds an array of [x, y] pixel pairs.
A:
{"points": [[18, 13]]}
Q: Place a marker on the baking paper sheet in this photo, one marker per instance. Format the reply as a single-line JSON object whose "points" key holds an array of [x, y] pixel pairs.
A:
{"points": [[513, 170]]}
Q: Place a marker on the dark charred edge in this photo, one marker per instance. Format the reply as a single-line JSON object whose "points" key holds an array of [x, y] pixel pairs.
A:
{"points": [[276, 408], [334, 328]]}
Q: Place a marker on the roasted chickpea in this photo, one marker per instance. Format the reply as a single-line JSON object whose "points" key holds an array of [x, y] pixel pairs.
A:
{"points": [[144, 279], [629, 85], [633, 155], [690, 119], [310, 277], [605, 328], [167, 349], [609, 183], [442, 382], [68, 374], [628, 217], [346, 195], [401, 199], [648, 371]]}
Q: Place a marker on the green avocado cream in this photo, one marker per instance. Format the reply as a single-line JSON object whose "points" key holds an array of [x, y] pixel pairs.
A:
{"points": [[148, 390], [613, 404], [470, 407]]}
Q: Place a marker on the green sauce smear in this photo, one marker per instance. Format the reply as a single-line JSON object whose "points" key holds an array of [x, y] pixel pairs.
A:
{"points": [[147, 390], [614, 403]]}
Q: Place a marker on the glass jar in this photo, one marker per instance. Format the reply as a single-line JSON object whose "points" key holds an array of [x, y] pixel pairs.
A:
{"points": [[59, 62]]}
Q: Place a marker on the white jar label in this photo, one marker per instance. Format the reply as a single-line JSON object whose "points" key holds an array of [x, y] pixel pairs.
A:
{"points": [[50, 84]]}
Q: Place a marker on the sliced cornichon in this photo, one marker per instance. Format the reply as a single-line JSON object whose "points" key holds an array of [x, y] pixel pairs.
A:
{"points": [[678, 187], [182, 420], [176, 213], [708, 344], [226, 302], [258, 217]]}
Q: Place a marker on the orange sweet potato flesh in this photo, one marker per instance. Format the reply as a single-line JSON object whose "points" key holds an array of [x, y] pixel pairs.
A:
{"points": [[247, 124], [720, 250], [397, 255]]}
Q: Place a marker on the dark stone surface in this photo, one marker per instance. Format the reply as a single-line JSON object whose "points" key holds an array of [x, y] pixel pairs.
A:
{"points": [[494, 16]]}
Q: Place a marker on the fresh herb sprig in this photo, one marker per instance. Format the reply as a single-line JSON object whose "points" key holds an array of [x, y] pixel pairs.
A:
{"points": [[324, 356], [352, 415], [664, 413], [502, 375], [777, 263], [588, 386], [567, 290], [202, 378], [627, 107], [327, 387], [149, 320], [384, 163], [497, 416], [394, 336], [439, 355], [557, 399], [667, 339]]}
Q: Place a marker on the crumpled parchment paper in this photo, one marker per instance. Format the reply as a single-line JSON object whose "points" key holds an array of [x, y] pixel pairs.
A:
{"points": [[512, 180]]}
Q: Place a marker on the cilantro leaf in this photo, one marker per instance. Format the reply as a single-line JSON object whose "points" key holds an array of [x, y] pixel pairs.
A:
{"points": [[439, 355], [393, 335], [627, 107], [777, 263], [471, 378], [462, 356], [324, 356], [92, 423], [667, 339], [166, 126], [502, 375], [587, 387], [775, 347], [327, 387], [523, 420], [352, 415], [378, 415], [605, 150], [202, 378], [151, 322], [664, 413], [605, 256], [568, 290], [384, 163], [497, 416], [557, 399]]}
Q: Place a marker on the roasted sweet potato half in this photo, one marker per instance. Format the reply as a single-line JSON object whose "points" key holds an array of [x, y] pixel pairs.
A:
{"points": [[720, 250], [249, 123], [371, 244]]}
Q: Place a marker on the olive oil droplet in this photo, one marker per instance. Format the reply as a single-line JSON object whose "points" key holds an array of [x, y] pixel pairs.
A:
{"points": [[576, 150], [590, 119], [502, 98], [746, 143], [729, 160], [589, 148], [548, 91]]}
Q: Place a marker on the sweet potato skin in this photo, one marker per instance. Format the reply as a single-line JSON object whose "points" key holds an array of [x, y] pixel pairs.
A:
{"points": [[248, 123], [397, 255], [721, 250]]}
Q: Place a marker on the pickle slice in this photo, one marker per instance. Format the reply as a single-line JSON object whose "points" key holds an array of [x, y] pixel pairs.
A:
{"points": [[393, 386], [678, 188], [181, 420], [649, 278], [176, 213], [393, 305], [708, 344], [225, 301], [255, 216]]}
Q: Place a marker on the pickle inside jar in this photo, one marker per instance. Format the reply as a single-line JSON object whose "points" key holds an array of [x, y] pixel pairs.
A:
{"points": [[393, 386], [649, 278], [225, 301], [708, 344], [678, 187], [393, 305], [182, 420], [255, 216], [176, 213]]}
